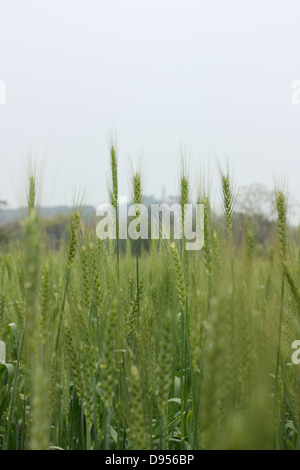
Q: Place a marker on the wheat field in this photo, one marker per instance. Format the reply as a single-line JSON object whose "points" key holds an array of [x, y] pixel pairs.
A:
{"points": [[122, 347]]}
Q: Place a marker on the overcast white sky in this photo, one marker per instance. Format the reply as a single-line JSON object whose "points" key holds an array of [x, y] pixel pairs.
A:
{"points": [[213, 75]]}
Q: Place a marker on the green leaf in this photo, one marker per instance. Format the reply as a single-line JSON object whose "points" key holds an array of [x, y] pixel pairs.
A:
{"points": [[9, 368], [2, 352], [113, 434], [13, 329], [290, 445], [189, 425], [290, 425], [175, 400]]}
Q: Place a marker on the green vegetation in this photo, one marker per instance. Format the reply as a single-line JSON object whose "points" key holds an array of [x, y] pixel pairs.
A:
{"points": [[157, 348]]}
